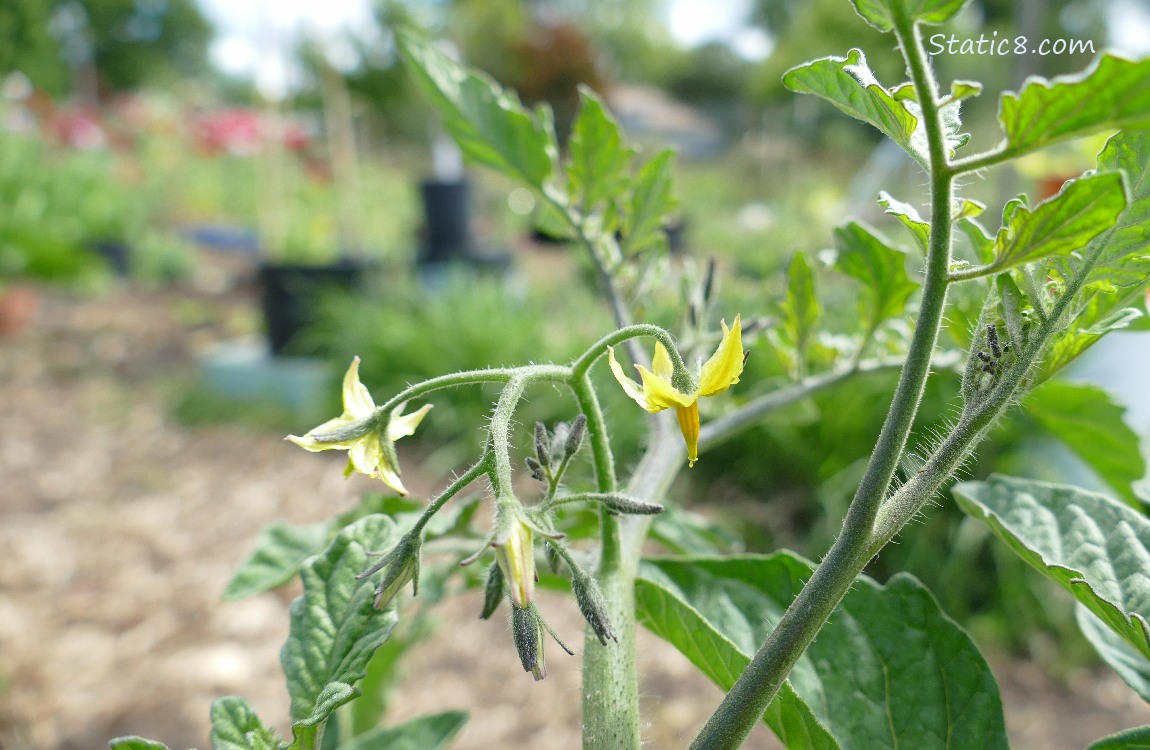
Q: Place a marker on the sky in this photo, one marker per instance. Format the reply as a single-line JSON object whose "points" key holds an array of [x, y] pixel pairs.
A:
{"points": [[250, 32], [254, 35]]}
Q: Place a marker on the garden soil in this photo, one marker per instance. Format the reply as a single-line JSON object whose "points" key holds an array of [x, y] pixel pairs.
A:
{"points": [[119, 528]]}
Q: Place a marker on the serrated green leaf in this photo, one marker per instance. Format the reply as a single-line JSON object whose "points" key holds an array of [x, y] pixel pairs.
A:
{"points": [[850, 85], [881, 269], [1137, 738], [489, 123], [281, 549], [889, 669], [651, 201], [960, 90], [1086, 419], [235, 726], [136, 743], [597, 157], [1125, 259], [1091, 545], [334, 627], [432, 732], [1082, 210], [881, 13], [1102, 313], [1112, 93], [1127, 663], [800, 309], [909, 217]]}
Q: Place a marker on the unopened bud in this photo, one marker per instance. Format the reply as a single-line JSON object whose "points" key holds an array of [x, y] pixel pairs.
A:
{"points": [[542, 444], [617, 502], [559, 440], [527, 632], [575, 437], [536, 469], [554, 559], [592, 605], [493, 591]]}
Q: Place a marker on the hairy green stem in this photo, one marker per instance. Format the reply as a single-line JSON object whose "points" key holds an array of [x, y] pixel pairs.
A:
{"points": [[744, 705], [588, 358], [555, 373], [485, 465]]}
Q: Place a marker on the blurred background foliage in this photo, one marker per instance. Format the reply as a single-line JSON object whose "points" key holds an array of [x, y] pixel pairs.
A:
{"points": [[120, 121]]}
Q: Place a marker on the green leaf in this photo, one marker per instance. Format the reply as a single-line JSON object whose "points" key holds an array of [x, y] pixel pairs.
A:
{"points": [[1125, 259], [1086, 419], [909, 217], [136, 743], [1082, 210], [651, 201], [889, 669], [669, 599], [281, 549], [686, 533], [489, 123], [881, 269], [1131, 666], [597, 157], [1111, 94], [800, 308], [881, 13], [1102, 313], [850, 85], [1094, 547], [1130, 739], [432, 732], [334, 627], [980, 241], [235, 726]]}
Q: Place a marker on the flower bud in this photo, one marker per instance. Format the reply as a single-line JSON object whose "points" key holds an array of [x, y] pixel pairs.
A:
{"points": [[536, 469], [617, 502], [527, 632], [516, 558], [592, 605], [493, 591], [542, 444], [575, 436]]}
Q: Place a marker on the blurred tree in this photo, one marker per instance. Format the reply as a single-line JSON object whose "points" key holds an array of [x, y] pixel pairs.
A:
{"points": [[27, 44], [119, 44]]}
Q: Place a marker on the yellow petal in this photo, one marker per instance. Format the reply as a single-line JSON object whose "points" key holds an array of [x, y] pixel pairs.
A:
{"points": [[661, 364], [307, 442], [659, 393], [689, 424], [722, 370], [366, 454], [402, 425], [516, 558], [357, 402], [390, 477], [630, 387]]}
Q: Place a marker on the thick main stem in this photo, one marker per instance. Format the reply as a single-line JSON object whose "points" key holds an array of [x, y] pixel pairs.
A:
{"points": [[745, 704]]}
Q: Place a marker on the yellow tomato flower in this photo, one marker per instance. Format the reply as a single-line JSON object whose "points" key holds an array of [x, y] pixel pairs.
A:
{"points": [[516, 558], [369, 452], [657, 392]]}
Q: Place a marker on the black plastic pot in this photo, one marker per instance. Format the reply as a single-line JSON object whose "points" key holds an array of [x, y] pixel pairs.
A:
{"points": [[447, 221], [117, 253], [290, 296]]}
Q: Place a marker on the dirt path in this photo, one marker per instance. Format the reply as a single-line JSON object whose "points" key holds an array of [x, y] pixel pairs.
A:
{"points": [[120, 529]]}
